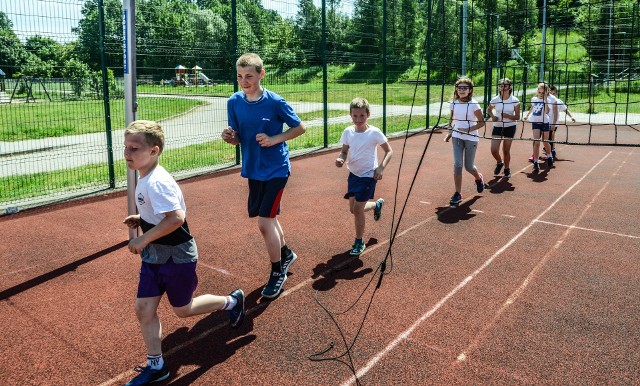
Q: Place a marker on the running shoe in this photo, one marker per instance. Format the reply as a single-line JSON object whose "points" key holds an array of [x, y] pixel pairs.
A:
{"points": [[553, 153], [499, 166], [531, 158], [286, 259], [378, 209], [148, 375], [480, 184], [357, 249], [274, 285], [549, 161], [236, 314], [536, 167], [507, 173], [455, 199]]}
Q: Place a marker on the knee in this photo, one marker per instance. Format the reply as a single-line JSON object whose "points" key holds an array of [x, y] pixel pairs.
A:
{"points": [[182, 312], [144, 312]]}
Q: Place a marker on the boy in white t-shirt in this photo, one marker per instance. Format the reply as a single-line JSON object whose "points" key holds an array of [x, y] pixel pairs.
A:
{"points": [[360, 141], [167, 249]]}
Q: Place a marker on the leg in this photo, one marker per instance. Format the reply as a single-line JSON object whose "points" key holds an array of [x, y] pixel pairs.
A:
{"points": [[359, 208], [270, 230], [203, 304], [458, 155], [495, 150], [146, 312], [506, 149], [547, 146], [469, 159], [536, 144]]}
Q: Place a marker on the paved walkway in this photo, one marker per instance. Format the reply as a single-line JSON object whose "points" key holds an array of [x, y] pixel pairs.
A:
{"points": [[199, 125]]}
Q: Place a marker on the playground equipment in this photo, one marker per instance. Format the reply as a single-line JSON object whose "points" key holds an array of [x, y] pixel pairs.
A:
{"points": [[181, 75], [27, 82]]}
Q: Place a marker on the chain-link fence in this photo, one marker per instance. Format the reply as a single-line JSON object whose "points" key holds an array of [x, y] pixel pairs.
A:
{"points": [[61, 79]]}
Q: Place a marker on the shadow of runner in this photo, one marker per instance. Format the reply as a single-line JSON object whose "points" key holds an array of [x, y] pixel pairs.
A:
{"points": [[449, 215], [12, 291], [204, 353], [340, 267]]}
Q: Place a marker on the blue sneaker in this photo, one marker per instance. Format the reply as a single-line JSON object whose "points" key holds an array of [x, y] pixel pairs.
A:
{"points": [[274, 285], [148, 375], [236, 314], [378, 210], [357, 249], [286, 261], [456, 199]]}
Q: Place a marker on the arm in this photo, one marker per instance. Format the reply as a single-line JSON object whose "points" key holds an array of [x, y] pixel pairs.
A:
{"points": [[516, 112], [528, 113], [291, 133], [555, 114], [171, 221], [490, 112], [569, 114], [480, 124], [388, 152], [448, 137], [343, 156]]}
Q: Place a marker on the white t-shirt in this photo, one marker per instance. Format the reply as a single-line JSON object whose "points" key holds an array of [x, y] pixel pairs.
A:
{"points": [[538, 113], [158, 193], [507, 106], [464, 117], [561, 105], [553, 101], [363, 149]]}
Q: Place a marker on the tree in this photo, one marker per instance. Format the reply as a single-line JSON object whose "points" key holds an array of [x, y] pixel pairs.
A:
{"points": [[309, 26], [12, 52]]}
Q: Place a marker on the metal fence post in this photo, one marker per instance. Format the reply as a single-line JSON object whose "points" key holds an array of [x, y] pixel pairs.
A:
{"points": [[105, 96], [130, 103]]}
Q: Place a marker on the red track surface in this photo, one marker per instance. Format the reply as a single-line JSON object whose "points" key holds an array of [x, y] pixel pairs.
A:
{"points": [[534, 281]]}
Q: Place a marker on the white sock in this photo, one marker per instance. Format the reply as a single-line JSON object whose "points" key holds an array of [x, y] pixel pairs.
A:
{"points": [[229, 302], [155, 361]]}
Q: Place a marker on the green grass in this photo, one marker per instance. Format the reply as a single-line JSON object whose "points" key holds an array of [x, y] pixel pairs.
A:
{"points": [[22, 121], [17, 188], [320, 114]]}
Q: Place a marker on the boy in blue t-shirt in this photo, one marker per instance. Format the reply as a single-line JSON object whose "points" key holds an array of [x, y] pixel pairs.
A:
{"points": [[256, 117], [168, 250]]}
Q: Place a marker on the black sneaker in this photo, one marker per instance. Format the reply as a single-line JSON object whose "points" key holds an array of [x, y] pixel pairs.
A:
{"points": [[274, 285], [236, 314], [456, 199], [499, 166], [507, 173], [480, 184], [378, 210], [536, 167], [553, 153], [148, 375], [549, 161], [286, 261]]}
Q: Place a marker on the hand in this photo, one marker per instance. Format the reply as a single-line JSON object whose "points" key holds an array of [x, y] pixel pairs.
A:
{"points": [[133, 221], [447, 138], [377, 174], [136, 245], [264, 140], [229, 135], [339, 162], [573, 119]]}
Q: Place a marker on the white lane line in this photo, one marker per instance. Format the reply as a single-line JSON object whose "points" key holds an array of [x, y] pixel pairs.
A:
{"points": [[222, 271], [404, 335], [525, 283], [476, 210], [425, 202], [508, 215], [589, 229]]}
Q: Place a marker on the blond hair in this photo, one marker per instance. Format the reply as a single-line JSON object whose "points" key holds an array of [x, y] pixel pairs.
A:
{"points": [[359, 103], [506, 81], [153, 134], [250, 60], [463, 79]]}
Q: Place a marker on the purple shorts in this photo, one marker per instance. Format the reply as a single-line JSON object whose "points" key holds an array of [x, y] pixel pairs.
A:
{"points": [[362, 188], [179, 281]]}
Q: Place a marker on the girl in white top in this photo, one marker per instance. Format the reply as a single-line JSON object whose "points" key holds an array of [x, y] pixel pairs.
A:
{"points": [[465, 120], [504, 110], [538, 115]]}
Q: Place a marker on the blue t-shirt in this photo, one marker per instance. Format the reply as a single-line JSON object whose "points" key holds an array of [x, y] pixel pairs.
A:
{"points": [[266, 115]]}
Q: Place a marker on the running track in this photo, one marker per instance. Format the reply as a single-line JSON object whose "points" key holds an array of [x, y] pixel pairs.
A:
{"points": [[534, 281]]}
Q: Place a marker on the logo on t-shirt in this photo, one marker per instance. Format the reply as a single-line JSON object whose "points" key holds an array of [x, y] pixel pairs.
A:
{"points": [[140, 199], [537, 108]]}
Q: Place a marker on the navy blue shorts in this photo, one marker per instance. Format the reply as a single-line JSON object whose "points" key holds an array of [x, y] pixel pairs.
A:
{"points": [[362, 188], [179, 281], [265, 196], [540, 126]]}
